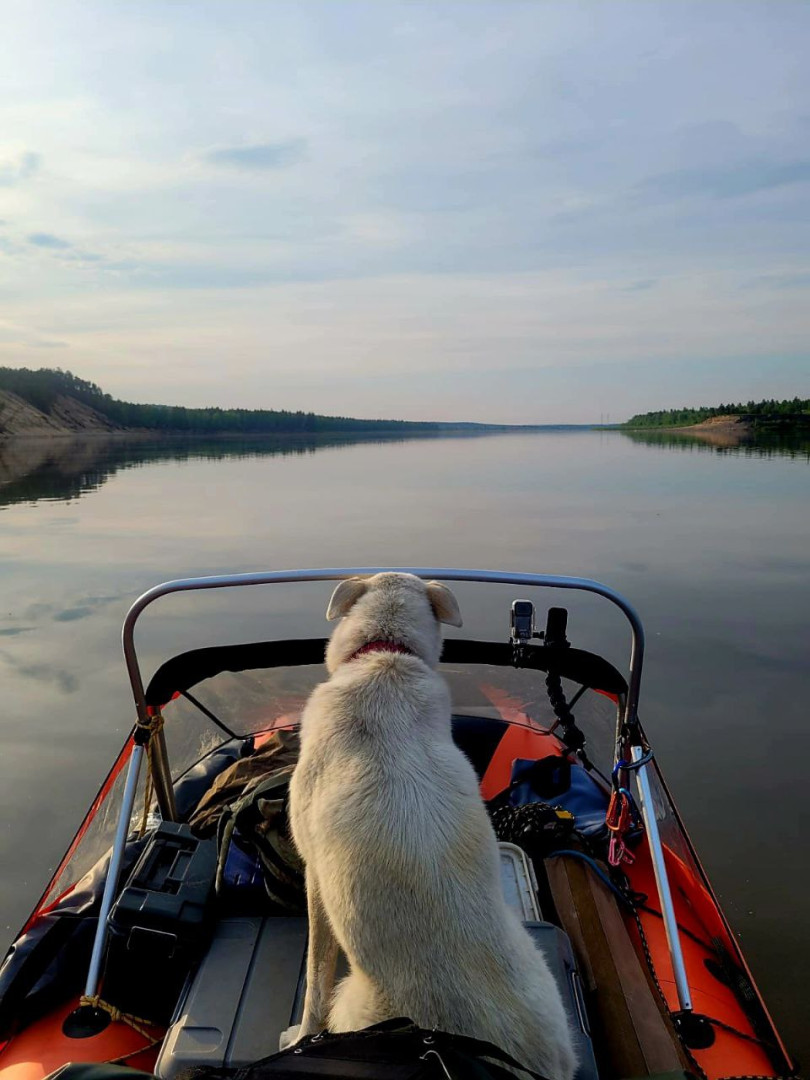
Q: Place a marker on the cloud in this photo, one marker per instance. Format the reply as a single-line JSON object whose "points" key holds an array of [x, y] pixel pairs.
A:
{"points": [[791, 280], [640, 286], [731, 181], [27, 338], [87, 606], [48, 240], [261, 156], [72, 614], [15, 172], [84, 606], [64, 681]]}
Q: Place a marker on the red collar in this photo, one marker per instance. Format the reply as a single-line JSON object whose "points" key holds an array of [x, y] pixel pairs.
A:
{"points": [[381, 646]]}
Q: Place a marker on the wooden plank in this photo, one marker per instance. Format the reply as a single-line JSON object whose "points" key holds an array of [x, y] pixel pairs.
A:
{"points": [[659, 1043], [632, 1037], [616, 1044]]}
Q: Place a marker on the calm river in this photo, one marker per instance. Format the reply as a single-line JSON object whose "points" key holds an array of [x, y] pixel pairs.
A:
{"points": [[711, 544]]}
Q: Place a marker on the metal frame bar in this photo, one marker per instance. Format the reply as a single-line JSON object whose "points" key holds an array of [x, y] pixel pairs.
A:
{"points": [[162, 777], [162, 781], [113, 870], [647, 807]]}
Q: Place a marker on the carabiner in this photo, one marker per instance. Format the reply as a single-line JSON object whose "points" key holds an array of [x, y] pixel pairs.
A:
{"points": [[618, 816], [618, 852], [630, 766]]}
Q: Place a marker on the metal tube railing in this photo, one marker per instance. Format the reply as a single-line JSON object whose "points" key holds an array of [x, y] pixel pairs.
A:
{"points": [[113, 871], [647, 807]]}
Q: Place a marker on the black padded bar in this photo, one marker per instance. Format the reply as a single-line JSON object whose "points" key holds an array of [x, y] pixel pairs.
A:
{"points": [[186, 670], [581, 667], [189, 668]]}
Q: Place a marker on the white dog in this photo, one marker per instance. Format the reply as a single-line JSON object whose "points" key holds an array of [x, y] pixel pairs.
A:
{"points": [[402, 866]]}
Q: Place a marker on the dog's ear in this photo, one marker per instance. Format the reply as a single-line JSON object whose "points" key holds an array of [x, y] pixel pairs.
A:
{"points": [[444, 603], [345, 597]]}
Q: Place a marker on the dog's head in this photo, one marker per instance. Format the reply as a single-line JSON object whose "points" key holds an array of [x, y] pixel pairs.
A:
{"points": [[397, 608]]}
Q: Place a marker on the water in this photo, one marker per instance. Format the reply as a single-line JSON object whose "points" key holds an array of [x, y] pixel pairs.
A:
{"points": [[711, 543]]}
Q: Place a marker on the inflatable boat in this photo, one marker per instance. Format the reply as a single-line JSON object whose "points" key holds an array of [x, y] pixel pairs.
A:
{"points": [[172, 937]]}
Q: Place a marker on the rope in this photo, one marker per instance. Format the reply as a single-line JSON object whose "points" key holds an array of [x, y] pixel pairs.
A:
{"points": [[137, 1023], [625, 899], [152, 728], [153, 725], [148, 792], [654, 975], [766, 1043], [134, 1053]]}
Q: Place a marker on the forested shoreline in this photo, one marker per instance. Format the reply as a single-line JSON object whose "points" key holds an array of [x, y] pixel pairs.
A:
{"points": [[44, 388], [789, 411]]}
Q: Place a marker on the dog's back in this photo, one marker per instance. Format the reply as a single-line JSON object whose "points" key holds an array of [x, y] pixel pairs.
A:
{"points": [[388, 817]]}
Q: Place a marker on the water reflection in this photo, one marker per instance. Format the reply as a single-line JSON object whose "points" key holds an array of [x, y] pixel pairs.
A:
{"points": [[763, 444], [66, 468]]}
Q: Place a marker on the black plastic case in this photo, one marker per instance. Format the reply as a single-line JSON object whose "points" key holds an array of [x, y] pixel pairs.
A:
{"points": [[161, 924]]}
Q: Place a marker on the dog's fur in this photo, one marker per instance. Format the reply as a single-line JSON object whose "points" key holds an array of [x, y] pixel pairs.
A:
{"points": [[402, 866]]}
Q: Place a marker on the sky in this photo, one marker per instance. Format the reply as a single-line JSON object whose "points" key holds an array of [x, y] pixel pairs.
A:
{"points": [[518, 211]]}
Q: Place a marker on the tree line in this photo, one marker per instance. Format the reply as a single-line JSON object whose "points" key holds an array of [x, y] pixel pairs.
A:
{"points": [[791, 409], [42, 387]]}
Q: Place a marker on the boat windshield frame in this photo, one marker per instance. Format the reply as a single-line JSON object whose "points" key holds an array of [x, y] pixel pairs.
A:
{"points": [[163, 788]]}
